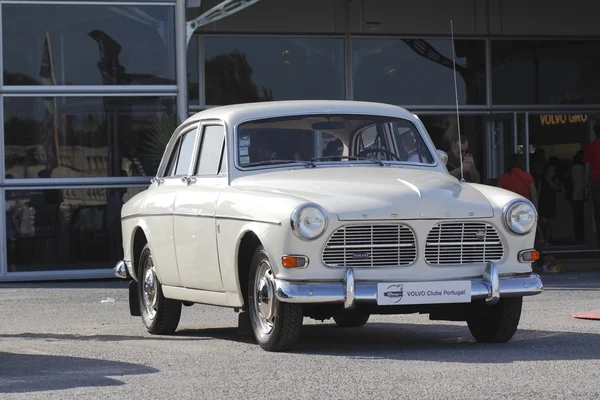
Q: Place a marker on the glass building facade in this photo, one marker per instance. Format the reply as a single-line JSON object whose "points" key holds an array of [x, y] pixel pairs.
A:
{"points": [[90, 91]]}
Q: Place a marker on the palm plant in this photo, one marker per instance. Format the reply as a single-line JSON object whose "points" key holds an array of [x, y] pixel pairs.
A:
{"points": [[159, 134], [153, 145]]}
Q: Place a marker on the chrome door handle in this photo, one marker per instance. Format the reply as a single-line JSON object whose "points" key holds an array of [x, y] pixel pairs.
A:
{"points": [[188, 180]]}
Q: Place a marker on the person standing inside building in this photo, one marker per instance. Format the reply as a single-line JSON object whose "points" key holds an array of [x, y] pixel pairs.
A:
{"points": [[517, 180], [591, 158], [469, 170]]}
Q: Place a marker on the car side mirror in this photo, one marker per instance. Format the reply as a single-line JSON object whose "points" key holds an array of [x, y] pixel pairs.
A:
{"points": [[443, 156]]}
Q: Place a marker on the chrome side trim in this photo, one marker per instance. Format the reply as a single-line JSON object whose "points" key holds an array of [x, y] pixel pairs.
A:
{"points": [[177, 214], [350, 292], [260, 221], [141, 215], [180, 214]]}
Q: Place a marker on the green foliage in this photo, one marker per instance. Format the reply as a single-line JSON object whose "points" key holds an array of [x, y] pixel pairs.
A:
{"points": [[159, 134]]}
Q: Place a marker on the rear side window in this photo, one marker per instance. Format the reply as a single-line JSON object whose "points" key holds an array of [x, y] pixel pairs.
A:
{"points": [[209, 158]]}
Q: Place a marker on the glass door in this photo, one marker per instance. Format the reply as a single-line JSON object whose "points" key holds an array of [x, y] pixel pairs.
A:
{"points": [[506, 134], [559, 140]]}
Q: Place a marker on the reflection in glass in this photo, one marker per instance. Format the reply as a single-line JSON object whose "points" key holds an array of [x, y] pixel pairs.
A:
{"points": [[50, 44], [75, 137], [545, 71], [64, 229], [418, 71], [443, 130], [249, 69]]}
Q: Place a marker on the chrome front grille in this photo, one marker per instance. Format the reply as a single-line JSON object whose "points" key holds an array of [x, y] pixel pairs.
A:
{"points": [[371, 246], [456, 243]]}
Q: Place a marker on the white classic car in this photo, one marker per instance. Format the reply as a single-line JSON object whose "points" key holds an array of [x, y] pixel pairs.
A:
{"points": [[322, 209]]}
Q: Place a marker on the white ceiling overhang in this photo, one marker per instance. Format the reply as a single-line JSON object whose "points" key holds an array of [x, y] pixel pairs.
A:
{"points": [[221, 10]]}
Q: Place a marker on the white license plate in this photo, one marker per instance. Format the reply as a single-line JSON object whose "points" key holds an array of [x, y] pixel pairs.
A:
{"points": [[401, 293]]}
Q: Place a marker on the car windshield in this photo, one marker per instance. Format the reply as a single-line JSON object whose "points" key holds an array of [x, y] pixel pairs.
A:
{"points": [[339, 138]]}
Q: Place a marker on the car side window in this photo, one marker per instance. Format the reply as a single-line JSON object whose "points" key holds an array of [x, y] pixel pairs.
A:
{"points": [[184, 159], [173, 158], [209, 158]]}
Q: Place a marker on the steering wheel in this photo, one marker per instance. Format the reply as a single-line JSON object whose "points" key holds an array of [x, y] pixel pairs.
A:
{"points": [[389, 154]]}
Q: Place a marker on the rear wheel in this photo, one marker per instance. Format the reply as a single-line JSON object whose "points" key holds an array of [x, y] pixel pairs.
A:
{"points": [[276, 325], [351, 319], [159, 314], [497, 323]]}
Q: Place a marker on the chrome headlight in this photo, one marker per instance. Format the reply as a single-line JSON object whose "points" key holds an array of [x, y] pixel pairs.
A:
{"points": [[309, 221], [520, 216]]}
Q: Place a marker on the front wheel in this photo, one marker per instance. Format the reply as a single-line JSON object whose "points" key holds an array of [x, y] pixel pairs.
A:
{"points": [[497, 323], [159, 314], [276, 325]]}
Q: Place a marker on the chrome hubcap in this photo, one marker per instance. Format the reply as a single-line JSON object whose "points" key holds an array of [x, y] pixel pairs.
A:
{"points": [[150, 289], [264, 297]]}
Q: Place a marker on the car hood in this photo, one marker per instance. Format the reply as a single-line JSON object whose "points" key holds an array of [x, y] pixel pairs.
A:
{"points": [[358, 193]]}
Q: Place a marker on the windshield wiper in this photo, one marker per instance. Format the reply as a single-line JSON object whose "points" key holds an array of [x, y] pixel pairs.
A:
{"points": [[273, 162], [378, 162]]}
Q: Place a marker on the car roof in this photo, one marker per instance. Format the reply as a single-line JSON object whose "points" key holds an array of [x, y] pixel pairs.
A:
{"points": [[240, 112]]}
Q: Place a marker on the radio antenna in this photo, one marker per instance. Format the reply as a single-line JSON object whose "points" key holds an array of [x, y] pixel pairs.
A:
{"points": [[460, 157]]}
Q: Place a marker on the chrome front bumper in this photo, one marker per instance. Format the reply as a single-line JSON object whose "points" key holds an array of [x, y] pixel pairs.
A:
{"points": [[490, 287]]}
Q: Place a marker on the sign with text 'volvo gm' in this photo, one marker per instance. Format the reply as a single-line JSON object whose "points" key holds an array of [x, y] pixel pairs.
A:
{"points": [[391, 293]]}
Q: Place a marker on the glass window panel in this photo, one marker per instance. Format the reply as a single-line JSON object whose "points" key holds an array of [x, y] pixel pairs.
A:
{"points": [[249, 69], [418, 71], [64, 229], [443, 130], [76, 137], [173, 158], [184, 160], [212, 148], [88, 45], [545, 71]]}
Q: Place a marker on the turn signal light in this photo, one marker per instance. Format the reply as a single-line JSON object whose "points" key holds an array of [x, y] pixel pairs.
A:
{"points": [[294, 261], [529, 255]]}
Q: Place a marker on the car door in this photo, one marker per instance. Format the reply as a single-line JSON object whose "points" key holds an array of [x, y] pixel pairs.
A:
{"points": [[194, 217], [159, 206]]}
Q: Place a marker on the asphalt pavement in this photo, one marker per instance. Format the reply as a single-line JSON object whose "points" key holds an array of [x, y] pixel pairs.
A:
{"points": [[77, 340]]}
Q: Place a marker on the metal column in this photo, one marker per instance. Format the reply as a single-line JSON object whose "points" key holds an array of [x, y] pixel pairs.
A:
{"points": [[181, 57], [526, 139]]}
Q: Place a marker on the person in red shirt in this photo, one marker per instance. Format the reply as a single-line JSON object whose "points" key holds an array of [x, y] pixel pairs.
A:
{"points": [[591, 158], [517, 180]]}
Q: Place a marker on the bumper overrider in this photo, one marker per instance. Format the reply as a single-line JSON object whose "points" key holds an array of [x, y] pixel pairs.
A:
{"points": [[490, 287]]}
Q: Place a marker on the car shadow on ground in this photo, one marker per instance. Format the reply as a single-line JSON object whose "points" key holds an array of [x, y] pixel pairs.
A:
{"points": [[50, 337], [395, 341], [26, 373], [431, 342], [442, 343]]}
